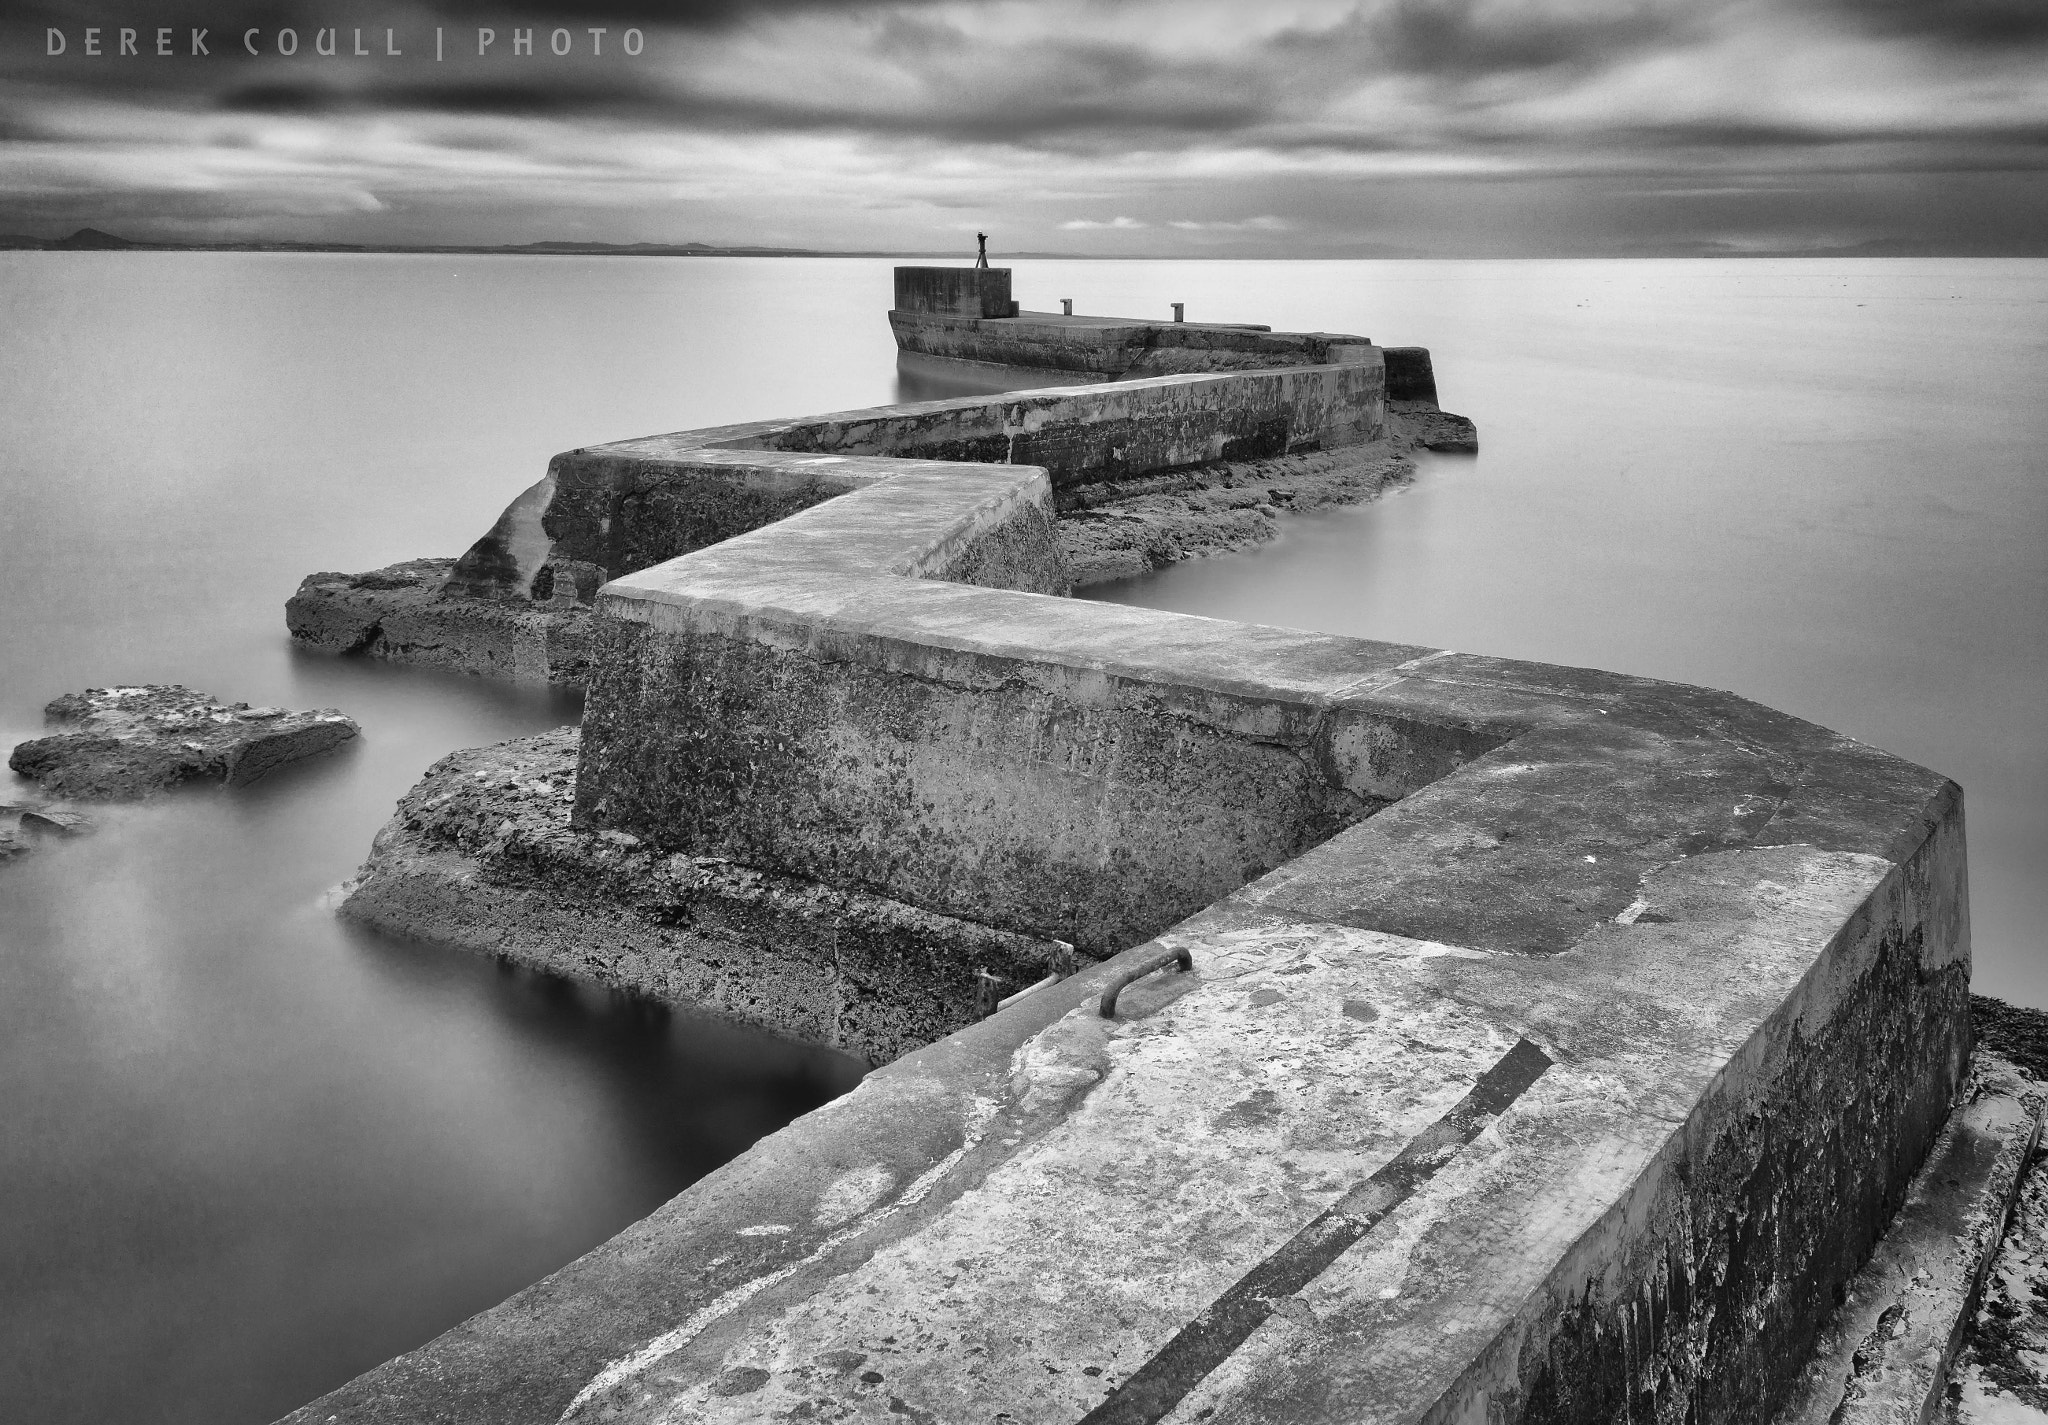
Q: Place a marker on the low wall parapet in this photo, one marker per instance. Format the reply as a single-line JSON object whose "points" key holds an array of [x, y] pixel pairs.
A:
{"points": [[609, 510]]}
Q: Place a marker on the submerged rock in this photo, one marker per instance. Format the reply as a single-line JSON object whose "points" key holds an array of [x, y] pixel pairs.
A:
{"points": [[23, 824], [48, 821], [133, 741], [14, 842]]}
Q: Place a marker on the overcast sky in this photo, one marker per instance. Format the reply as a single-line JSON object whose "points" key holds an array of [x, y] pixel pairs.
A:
{"points": [[1108, 127]]}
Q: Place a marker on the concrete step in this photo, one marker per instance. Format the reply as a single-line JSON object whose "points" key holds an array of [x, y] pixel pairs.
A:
{"points": [[1884, 1359], [1948, 1322], [2000, 1376]]}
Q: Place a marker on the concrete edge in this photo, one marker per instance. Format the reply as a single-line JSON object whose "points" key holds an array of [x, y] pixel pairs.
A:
{"points": [[1884, 1357], [700, 1256], [746, 440]]}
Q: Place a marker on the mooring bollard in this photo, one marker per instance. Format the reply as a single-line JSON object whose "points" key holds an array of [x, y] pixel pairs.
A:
{"points": [[1067, 306], [1177, 306]]}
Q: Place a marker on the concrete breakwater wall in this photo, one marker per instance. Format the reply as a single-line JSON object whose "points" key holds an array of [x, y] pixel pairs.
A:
{"points": [[610, 510], [809, 697], [516, 603], [1554, 1046], [965, 315]]}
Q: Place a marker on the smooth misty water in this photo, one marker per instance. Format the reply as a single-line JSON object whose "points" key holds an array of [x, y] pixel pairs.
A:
{"points": [[1823, 485], [245, 1151]]}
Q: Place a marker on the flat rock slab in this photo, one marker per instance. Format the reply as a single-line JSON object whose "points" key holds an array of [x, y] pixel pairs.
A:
{"points": [[1118, 529], [1422, 423], [134, 741], [405, 613]]}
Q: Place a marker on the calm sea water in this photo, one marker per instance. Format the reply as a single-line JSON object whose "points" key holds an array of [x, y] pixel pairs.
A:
{"points": [[246, 1152]]}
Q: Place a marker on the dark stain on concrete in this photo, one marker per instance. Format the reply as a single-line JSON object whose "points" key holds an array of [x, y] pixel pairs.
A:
{"points": [[1781, 1207], [1151, 1393]]}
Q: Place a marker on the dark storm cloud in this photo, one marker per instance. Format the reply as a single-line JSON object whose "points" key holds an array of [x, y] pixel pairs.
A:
{"points": [[1069, 93], [1089, 112], [16, 126], [566, 98], [1113, 92], [1986, 24], [1460, 37]]}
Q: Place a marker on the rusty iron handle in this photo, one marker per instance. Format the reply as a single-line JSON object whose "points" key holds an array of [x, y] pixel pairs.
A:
{"points": [[1177, 956]]}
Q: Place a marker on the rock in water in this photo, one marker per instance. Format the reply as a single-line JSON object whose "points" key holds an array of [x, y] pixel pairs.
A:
{"points": [[133, 741], [47, 821]]}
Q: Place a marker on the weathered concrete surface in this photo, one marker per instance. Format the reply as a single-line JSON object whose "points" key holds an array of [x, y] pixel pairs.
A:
{"points": [[466, 865], [1884, 1357], [1411, 377], [406, 612], [1013, 1223], [1000, 771], [1093, 772], [481, 857], [949, 327], [135, 741], [1038, 345], [1109, 348], [633, 504], [971, 292]]}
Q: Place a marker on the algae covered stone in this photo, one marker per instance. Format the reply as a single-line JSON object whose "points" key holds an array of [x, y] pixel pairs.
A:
{"points": [[134, 741]]}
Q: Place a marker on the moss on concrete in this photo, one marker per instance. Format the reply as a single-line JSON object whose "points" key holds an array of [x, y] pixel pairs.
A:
{"points": [[481, 856]]}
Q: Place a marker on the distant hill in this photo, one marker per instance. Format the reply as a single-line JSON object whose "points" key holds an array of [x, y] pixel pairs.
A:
{"points": [[84, 240], [92, 240]]}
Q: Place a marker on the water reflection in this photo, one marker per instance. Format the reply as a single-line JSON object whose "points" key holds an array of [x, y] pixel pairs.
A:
{"points": [[251, 1150], [922, 379]]}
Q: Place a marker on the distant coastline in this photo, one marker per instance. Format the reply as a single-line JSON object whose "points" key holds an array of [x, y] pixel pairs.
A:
{"points": [[95, 240]]}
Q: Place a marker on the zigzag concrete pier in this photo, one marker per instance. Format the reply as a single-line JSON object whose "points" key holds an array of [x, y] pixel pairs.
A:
{"points": [[1555, 1045]]}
